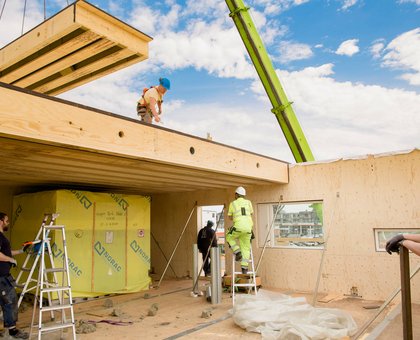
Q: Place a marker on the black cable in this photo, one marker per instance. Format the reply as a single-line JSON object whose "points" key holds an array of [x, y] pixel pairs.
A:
{"points": [[23, 19], [45, 9], [2, 9]]}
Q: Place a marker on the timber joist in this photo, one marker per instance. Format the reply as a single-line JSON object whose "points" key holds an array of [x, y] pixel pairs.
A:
{"points": [[77, 45], [48, 142]]}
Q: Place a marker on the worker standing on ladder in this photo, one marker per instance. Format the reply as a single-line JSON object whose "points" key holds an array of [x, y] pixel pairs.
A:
{"points": [[149, 105], [8, 296], [240, 212]]}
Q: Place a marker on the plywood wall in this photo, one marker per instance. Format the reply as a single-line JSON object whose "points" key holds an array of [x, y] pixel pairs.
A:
{"points": [[358, 195]]}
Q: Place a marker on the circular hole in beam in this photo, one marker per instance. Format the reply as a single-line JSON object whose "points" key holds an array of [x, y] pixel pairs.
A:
{"points": [[121, 134], [192, 151]]}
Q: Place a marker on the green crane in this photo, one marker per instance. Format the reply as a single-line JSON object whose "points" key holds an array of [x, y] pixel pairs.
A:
{"points": [[282, 108]]}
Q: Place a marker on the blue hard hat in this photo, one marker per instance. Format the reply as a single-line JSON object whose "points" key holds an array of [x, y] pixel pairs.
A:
{"points": [[165, 83]]}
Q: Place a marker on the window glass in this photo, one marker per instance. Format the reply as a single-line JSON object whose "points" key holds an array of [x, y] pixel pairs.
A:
{"points": [[291, 225]]}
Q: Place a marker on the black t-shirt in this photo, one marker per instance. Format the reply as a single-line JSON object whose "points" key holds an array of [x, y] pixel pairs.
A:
{"points": [[204, 239], [6, 250]]}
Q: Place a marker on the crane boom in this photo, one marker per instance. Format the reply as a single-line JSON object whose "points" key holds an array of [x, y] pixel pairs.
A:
{"points": [[282, 108]]}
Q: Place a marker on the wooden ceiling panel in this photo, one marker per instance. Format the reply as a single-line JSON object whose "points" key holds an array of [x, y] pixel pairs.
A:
{"points": [[50, 142], [77, 45]]}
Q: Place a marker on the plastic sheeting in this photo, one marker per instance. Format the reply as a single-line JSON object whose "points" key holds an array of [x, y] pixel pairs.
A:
{"points": [[279, 316]]}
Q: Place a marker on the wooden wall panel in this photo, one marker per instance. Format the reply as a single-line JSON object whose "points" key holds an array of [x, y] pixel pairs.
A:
{"points": [[358, 195]]}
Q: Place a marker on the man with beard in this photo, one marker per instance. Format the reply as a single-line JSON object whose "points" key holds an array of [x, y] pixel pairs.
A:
{"points": [[8, 296]]}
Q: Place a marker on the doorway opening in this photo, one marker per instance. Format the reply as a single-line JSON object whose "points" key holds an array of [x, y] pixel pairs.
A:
{"points": [[213, 213]]}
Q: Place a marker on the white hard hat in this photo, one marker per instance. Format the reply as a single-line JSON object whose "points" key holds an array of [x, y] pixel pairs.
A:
{"points": [[240, 191]]}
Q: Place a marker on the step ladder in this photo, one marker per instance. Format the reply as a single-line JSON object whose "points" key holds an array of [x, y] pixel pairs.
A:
{"points": [[48, 284], [251, 285], [29, 283]]}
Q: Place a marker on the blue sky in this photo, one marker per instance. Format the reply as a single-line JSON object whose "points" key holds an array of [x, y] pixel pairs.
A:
{"points": [[351, 68]]}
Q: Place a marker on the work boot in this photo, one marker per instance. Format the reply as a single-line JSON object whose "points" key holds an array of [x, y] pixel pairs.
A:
{"points": [[244, 270], [18, 334], [238, 256]]}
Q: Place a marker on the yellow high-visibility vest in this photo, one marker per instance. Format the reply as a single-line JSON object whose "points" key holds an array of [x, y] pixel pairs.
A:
{"points": [[241, 211]]}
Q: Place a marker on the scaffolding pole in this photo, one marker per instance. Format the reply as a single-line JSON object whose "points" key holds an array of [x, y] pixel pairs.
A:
{"points": [[176, 245], [268, 234]]}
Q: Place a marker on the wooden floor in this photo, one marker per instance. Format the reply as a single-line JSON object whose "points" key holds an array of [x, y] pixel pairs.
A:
{"points": [[180, 316]]}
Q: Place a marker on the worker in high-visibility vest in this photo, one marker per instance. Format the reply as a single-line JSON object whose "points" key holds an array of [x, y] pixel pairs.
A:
{"points": [[240, 212]]}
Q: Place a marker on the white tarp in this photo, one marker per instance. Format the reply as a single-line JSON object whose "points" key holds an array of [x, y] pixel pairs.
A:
{"points": [[279, 316]]}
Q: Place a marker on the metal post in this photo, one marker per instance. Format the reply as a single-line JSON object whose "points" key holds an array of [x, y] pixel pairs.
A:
{"points": [[176, 245], [406, 294], [195, 266], [208, 250], [216, 280]]}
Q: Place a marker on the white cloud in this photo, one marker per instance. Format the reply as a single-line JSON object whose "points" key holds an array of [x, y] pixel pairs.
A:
{"points": [[404, 53], [338, 118], [348, 47], [344, 118], [289, 51], [152, 21], [417, 2], [376, 48], [348, 3], [273, 7], [204, 46], [11, 20]]}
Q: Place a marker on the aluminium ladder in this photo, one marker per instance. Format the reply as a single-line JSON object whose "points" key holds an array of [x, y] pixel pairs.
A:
{"points": [[252, 282], [31, 261], [48, 284]]}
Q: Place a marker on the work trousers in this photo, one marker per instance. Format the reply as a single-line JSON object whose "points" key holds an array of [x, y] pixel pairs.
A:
{"points": [[206, 264], [244, 238], [8, 301]]}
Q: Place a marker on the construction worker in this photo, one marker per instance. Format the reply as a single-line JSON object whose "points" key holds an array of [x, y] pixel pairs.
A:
{"points": [[206, 238], [240, 212], [149, 105], [8, 296]]}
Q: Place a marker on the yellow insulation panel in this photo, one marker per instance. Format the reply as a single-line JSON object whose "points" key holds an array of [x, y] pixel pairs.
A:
{"points": [[107, 234]]}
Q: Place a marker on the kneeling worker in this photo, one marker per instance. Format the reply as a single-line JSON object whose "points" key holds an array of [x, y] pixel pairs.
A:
{"points": [[149, 105]]}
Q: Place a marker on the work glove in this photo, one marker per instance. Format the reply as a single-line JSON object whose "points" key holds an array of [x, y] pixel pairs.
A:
{"points": [[13, 262], [26, 246], [393, 244]]}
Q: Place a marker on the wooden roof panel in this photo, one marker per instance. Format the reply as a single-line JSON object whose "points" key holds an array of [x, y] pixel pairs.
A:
{"points": [[54, 143], [77, 45]]}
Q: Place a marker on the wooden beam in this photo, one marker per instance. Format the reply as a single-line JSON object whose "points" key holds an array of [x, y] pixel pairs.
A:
{"points": [[60, 49], [62, 64], [106, 25], [86, 70], [63, 52]]}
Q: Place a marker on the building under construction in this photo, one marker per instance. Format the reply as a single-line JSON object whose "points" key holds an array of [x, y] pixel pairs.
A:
{"points": [[137, 189]]}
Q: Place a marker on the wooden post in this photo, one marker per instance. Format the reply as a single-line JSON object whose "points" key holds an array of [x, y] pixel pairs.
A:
{"points": [[406, 294]]}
